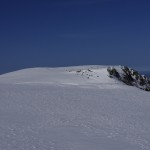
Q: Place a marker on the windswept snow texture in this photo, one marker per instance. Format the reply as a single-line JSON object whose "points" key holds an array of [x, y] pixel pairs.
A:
{"points": [[74, 108]]}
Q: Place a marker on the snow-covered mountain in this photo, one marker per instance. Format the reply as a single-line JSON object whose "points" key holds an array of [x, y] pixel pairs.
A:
{"points": [[72, 108]]}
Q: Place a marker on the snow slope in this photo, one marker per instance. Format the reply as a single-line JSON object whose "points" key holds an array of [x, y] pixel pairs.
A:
{"points": [[72, 108]]}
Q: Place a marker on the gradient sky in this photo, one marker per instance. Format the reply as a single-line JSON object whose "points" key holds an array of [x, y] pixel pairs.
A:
{"points": [[50, 33]]}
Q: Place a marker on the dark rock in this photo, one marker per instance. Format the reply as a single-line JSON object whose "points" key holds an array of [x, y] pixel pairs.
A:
{"points": [[130, 77], [78, 71], [113, 72], [90, 70]]}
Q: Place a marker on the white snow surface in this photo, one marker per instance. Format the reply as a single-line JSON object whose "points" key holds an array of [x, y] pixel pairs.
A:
{"points": [[72, 108]]}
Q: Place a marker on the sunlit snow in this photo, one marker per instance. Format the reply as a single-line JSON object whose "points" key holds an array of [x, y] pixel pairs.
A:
{"points": [[72, 108]]}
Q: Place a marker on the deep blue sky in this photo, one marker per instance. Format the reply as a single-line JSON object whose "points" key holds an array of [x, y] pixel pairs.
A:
{"points": [[49, 33]]}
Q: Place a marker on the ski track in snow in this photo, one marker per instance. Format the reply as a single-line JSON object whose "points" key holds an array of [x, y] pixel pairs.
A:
{"points": [[63, 109]]}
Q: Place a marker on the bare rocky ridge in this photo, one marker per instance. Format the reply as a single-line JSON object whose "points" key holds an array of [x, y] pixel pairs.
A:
{"points": [[130, 77]]}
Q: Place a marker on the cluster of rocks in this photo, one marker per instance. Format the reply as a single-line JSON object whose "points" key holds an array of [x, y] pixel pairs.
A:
{"points": [[130, 77]]}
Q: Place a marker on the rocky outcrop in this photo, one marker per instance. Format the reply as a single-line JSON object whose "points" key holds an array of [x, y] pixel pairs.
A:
{"points": [[130, 77]]}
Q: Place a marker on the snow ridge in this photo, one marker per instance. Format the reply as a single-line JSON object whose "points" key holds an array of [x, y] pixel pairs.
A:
{"points": [[72, 108]]}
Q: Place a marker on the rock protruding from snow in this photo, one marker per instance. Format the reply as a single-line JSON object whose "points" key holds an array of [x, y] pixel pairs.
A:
{"points": [[130, 77]]}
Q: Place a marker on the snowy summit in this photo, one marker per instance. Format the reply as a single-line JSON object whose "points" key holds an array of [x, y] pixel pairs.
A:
{"points": [[72, 108]]}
